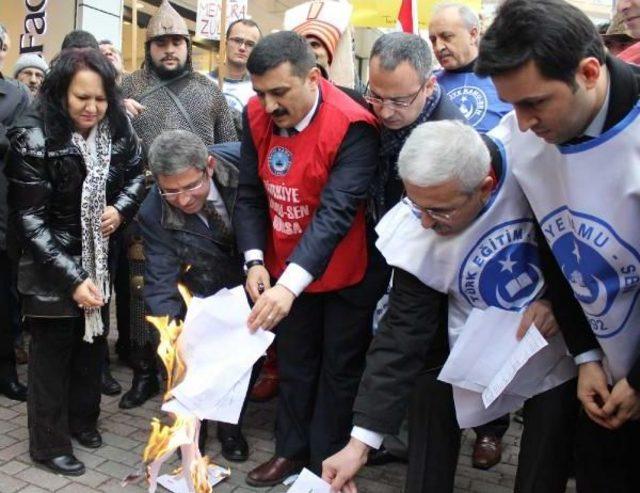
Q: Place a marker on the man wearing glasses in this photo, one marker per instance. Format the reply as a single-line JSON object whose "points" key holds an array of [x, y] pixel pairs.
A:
{"points": [[402, 93], [464, 218], [242, 37], [186, 229]]}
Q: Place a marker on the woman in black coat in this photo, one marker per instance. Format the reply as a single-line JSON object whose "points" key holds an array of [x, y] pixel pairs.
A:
{"points": [[75, 180]]}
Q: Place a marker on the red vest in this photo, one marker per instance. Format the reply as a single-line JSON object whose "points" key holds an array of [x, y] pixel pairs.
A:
{"points": [[294, 171]]}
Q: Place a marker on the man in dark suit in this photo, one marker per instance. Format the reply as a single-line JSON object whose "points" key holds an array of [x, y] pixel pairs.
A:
{"points": [[403, 93], [186, 229], [14, 98], [575, 132], [309, 153]]}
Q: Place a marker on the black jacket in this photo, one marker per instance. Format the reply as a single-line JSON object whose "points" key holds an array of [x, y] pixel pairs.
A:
{"points": [[412, 339], [179, 247], [45, 186]]}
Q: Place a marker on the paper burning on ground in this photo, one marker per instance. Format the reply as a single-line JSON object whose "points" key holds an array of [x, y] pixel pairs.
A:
{"points": [[197, 473]]}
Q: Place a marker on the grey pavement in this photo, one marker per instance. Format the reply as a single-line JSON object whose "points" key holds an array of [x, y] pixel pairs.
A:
{"points": [[125, 434]]}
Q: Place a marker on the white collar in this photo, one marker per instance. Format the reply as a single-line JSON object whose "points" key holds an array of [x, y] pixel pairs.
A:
{"points": [[596, 126], [304, 123]]}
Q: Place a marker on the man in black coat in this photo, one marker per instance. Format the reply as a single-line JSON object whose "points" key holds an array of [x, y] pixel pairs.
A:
{"points": [[14, 98], [186, 229]]}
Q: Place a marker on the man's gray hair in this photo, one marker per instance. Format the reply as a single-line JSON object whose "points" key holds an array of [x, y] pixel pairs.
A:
{"points": [[469, 18], [394, 48], [440, 151], [175, 151]]}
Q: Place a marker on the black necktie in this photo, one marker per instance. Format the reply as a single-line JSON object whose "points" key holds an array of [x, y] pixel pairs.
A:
{"points": [[292, 132], [216, 223]]}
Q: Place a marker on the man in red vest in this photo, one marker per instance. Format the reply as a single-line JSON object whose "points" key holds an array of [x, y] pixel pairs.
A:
{"points": [[309, 155]]}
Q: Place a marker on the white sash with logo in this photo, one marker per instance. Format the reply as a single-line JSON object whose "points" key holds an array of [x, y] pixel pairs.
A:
{"points": [[587, 200], [493, 262]]}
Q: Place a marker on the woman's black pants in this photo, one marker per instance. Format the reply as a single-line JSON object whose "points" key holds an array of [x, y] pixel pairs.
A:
{"points": [[64, 384]]}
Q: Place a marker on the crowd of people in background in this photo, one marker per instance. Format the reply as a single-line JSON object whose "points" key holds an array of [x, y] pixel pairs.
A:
{"points": [[366, 223]]}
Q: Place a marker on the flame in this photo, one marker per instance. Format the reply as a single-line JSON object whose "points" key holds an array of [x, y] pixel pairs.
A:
{"points": [[166, 439], [200, 475], [184, 291], [168, 352], [183, 433]]}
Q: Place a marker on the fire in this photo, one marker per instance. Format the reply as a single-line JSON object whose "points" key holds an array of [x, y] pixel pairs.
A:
{"points": [[183, 432], [168, 352], [165, 439], [200, 475]]}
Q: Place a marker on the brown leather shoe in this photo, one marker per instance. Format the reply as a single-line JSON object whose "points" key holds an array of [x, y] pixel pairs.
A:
{"points": [[274, 471], [487, 452], [266, 388]]}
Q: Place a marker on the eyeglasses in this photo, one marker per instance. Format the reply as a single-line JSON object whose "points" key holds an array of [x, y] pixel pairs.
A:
{"points": [[241, 41], [196, 186], [399, 103], [440, 215]]}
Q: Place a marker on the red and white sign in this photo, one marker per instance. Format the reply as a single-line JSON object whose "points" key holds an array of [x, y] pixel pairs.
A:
{"points": [[210, 12]]}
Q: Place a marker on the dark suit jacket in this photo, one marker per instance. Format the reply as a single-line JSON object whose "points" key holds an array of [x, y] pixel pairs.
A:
{"points": [[181, 248]]}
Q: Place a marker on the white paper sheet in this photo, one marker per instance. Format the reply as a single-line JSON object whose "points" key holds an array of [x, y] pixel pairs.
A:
{"points": [[177, 484], [308, 482], [530, 344], [488, 357], [219, 352]]}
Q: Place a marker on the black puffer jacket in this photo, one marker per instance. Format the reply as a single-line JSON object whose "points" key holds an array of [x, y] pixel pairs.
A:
{"points": [[45, 186]]}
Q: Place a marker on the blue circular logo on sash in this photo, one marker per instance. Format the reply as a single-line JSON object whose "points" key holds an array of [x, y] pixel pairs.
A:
{"points": [[503, 268], [280, 159], [601, 268], [471, 101]]}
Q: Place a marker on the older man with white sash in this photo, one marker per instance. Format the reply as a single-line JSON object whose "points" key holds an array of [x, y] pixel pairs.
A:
{"points": [[464, 237]]}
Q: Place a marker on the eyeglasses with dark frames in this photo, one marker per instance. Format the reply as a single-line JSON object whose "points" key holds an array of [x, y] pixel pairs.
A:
{"points": [[399, 103]]}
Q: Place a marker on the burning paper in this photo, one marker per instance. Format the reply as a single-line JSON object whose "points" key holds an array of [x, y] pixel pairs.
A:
{"points": [[208, 360], [195, 474]]}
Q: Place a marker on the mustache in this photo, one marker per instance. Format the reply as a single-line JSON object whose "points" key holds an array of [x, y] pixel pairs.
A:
{"points": [[279, 112], [168, 58]]}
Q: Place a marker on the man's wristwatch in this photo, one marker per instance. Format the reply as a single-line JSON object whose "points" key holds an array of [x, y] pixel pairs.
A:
{"points": [[251, 263]]}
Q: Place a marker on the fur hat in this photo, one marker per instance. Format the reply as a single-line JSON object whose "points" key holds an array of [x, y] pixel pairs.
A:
{"points": [[29, 60]]}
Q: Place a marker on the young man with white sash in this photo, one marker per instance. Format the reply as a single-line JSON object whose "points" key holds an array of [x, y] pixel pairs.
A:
{"points": [[464, 237], [574, 145]]}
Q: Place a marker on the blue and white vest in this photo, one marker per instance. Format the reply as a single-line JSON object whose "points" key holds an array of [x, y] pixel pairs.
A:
{"points": [[493, 262], [476, 97], [586, 197]]}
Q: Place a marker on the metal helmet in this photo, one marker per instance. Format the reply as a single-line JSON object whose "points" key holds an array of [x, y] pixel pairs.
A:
{"points": [[165, 22]]}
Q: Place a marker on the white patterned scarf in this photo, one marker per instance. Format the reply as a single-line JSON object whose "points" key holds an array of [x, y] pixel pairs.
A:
{"points": [[95, 247]]}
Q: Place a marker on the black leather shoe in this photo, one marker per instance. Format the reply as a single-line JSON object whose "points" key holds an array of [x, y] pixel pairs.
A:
{"points": [[234, 447], [381, 457], [89, 438], [67, 465], [144, 387], [109, 385], [13, 389]]}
